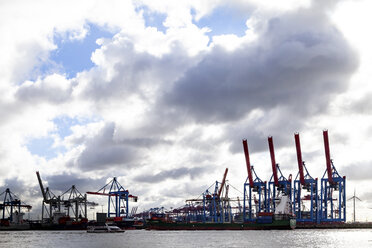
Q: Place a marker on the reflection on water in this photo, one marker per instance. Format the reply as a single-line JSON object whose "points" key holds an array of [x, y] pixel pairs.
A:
{"points": [[141, 238]]}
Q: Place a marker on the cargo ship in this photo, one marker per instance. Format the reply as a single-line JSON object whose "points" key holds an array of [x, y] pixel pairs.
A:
{"points": [[281, 219], [16, 223], [272, 222], [60, 221]]}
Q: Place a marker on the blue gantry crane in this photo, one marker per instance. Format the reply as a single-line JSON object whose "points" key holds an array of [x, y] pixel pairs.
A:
{"points": [[255, 191], [118, 198], [280, 187], [305, 191], [333, 190], [11, 208], [213, 207]]}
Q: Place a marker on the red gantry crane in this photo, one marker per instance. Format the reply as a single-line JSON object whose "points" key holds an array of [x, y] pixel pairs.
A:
{"points": [[333, 190], [252, 205], [305, 202], [278, 184]]}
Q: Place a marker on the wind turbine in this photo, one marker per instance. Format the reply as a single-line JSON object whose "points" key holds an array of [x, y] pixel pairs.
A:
{"points": [[354, 197]]}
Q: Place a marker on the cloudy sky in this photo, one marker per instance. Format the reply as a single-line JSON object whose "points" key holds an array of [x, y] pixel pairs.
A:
{"points": [[161, 93]]}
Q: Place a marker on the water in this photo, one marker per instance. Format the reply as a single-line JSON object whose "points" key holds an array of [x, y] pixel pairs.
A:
{"points": [[140, 238]]}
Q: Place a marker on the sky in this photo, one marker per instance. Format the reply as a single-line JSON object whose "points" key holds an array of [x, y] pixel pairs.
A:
{"points": [[160, 94]]}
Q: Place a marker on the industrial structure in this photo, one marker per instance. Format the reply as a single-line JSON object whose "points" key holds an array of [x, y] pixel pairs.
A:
{"points": [[70, 206], [118, 198], [76, 203], [333, 191], [272, 204], [305, 190], [264, 203], [255, 191], [303, 198], [11, 207], [279, 186], [354, 198], [214, 206]]}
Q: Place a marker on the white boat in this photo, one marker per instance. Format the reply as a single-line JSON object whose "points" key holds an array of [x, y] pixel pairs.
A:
{"points": [[104, 229]]}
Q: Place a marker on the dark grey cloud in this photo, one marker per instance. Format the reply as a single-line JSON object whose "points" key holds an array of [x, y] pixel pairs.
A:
{"points": [[363, 105], [61, 183], [358, 171], [366, 197], [296, 72], [42, 91], [174, 174], [146, 142], [20, 188], [111, 147], [273, 123], [104, 150]]}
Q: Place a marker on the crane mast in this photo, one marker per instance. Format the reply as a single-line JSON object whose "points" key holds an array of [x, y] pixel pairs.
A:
{"points": [[328, 156], [299, 159], [223, 182], [273, 163], [247, 161], [41, 186]]}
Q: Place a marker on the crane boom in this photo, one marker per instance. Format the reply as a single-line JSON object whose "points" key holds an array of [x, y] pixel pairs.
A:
{"points": [[247, 161], [299, 158], [328, 156], [273, 163], [223, 182], [41, 186], [111, 194]]}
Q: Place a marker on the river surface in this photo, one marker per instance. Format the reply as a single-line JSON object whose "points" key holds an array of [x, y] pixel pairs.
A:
{"points": [[140, 238]]}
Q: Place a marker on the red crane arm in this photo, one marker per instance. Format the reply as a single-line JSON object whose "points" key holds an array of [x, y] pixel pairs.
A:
{"points": [[99, 193], [223, 182], [299, 158], [328, 156], [247, 161], [107, 194], [273, 163]]}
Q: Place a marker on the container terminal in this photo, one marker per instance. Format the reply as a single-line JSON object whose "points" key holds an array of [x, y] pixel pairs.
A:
{"points": [[280, 203]]}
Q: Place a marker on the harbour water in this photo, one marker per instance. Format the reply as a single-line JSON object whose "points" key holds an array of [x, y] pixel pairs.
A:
{"points": [[141, 238]]}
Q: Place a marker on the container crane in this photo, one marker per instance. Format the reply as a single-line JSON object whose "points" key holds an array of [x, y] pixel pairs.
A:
{"points": [[252, 186], [11, 208], [280, 188], [333, 190], [118, 198], [305, 192], [51, 203], [212, 207], [76, 203]]}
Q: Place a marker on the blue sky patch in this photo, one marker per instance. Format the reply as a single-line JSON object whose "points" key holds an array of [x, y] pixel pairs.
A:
{"points": [[43, 148], [154, 19], [74, 55], [224, 20], [64, 124]]}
